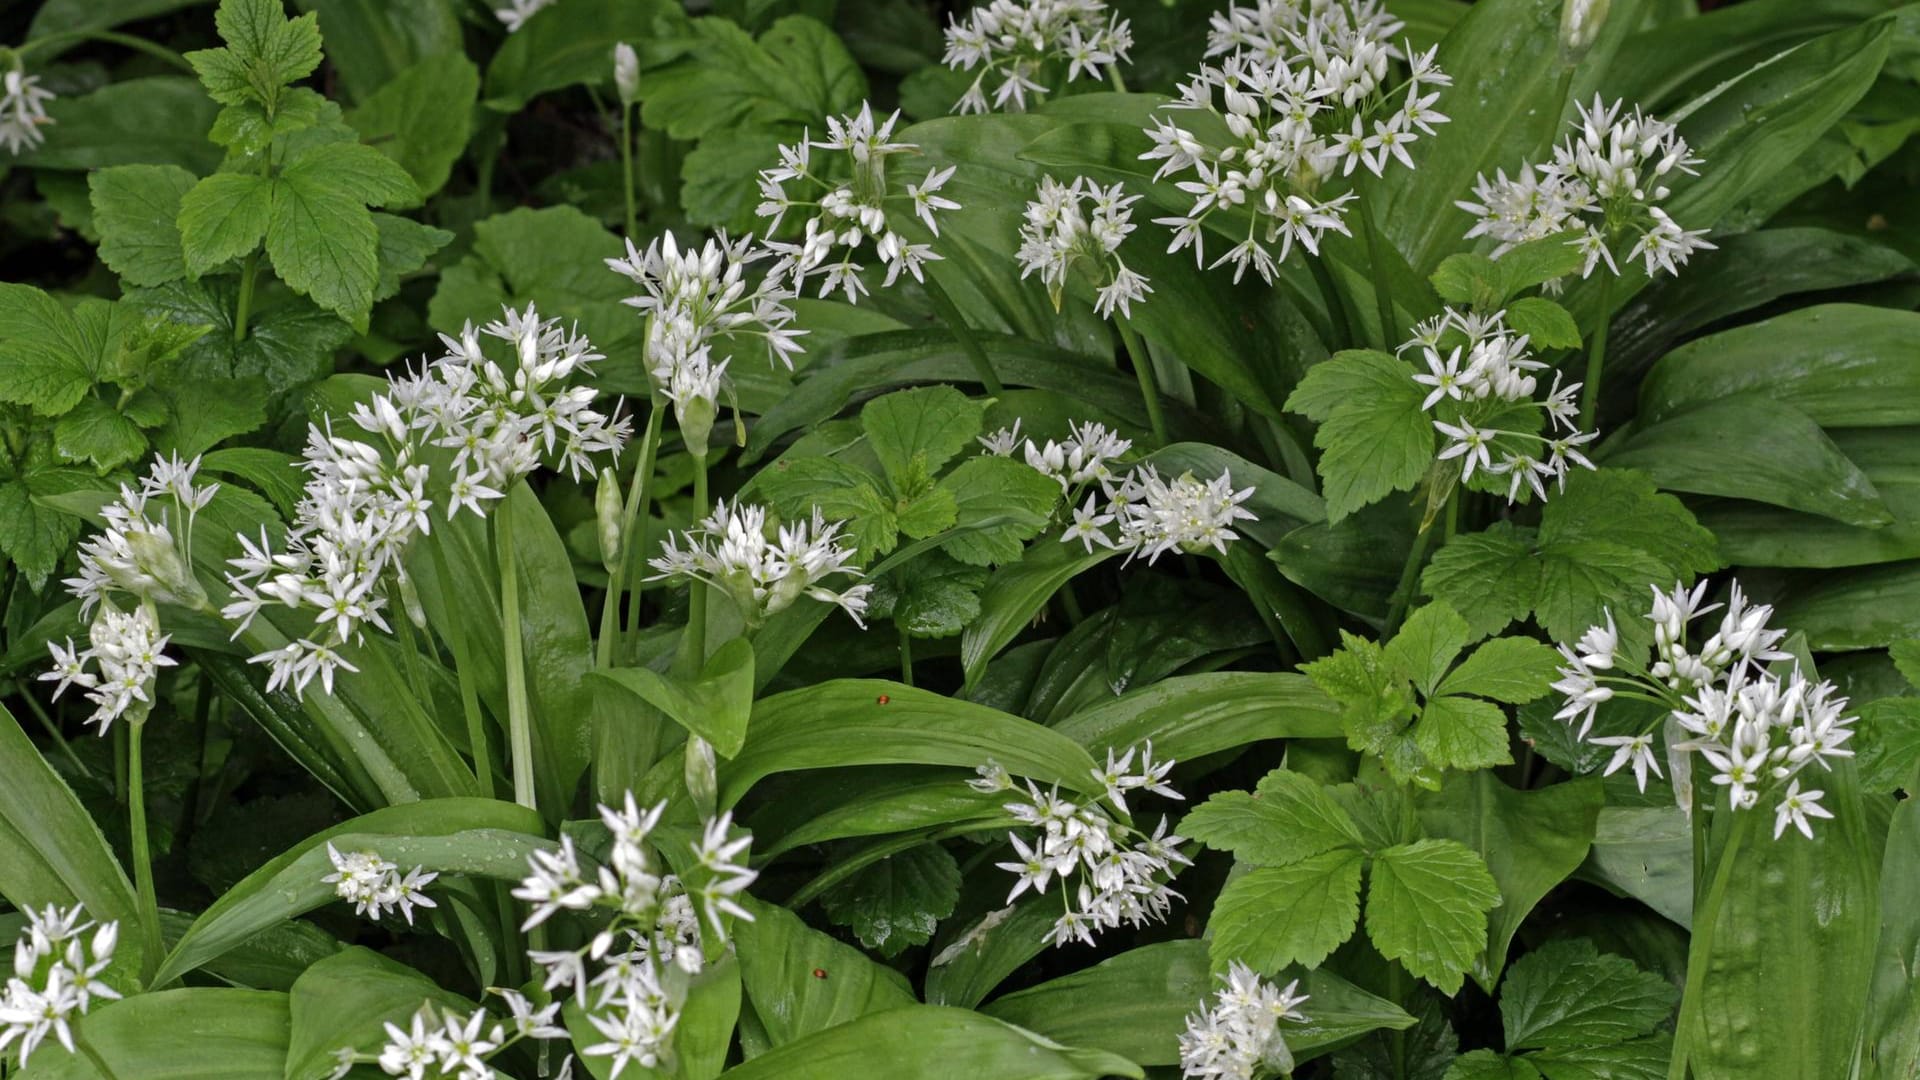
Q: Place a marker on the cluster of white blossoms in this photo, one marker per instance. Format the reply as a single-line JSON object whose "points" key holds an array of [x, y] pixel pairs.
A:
{"points": [[731, 550], [1136, 511], [56, 977], [457, 434], [1023, 42], [375, 886], [457, 1046], [1606, 181], [1082, 222], [1109, 871], [23, 111], [845, 197], [655, 941], [517, 12], [1305, 96], [1480, 389], [698, 303], [145, 552], [1240, 1037], [1755, 730]]}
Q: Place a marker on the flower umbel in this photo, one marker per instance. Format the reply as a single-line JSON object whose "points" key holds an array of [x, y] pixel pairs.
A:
{"points": [[375, 886], [1240, 1036], [1082, 223], [56, 977], [1025, 44], [23, 111], [731, 550]]}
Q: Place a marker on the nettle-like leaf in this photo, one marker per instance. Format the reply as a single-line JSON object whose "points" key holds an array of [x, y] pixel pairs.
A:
{"points": [[1427, 907], [897, 902], [1568, 1010], [265, 52], [1411, 706], [1601, 543], [1374, 437]]}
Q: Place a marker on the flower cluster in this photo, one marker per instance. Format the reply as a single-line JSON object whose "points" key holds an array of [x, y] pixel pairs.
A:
{"points": [[1480, 388], [847, 210], [1085, 456], [1606, 181], [1240, 1036], [375, 886], [140, 554], [1059, 231], [655, 940], [1756, 731], [456, 1046], [56, 976], [1303, 98], [1020, 42], [1109, 871], [517, 12], [457, 434], [23, 111], [697, 301], [731, 551]]}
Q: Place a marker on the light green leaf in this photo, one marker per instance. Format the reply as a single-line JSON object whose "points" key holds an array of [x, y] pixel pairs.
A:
{"points": [[161, 120], [33, 536], [51, 358], [1546, 324], [321, 237], [1012, 596], [200, 1033], [897, 902], [1641, 1059], [1462, 733], [134, 209], [1001, 504], [1567, 994], [405, 246], [1427, 908], [926, 1040], [802, 981], [715, 707], [915, 432], [551, 257], [224, 217], [422, 117], [1426, 645], [51, 850], [1374, 436], [343, 1001], [1488, 1065], [1190, 716], [1511, 669], [94, 431], [1275, 916], [1492, 578], [572, 43], [1287, 818]]}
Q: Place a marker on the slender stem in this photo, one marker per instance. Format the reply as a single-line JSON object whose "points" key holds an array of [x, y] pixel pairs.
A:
{"points": [[906, 657], [142, 855], [1070, 604], [1597, 356], [963, 334], [1377, 270], [1404, 592], [469, 693], [87, 1051], [1143, 371], [59, 42], [410, 658], [519, 711], [120, 765], [1706, 918], [1341, 330], [633, 539], [626, 166], [245, 302], [1453, 517], [693, 652]]}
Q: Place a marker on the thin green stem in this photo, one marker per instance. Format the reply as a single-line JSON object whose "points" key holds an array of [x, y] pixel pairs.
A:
{"points": [[626, 166], [59, 42], [1143, 371], [1404, 592], [963, 334], [142, 855], [1597, 356], [244, 304], [1070, 604], [1706, 919], [1336, 307], [1377, 271], [410, 658], [1453, 517], [693, 651], [87, 1051], [633, 537], [477, 742], [906, 657], [519, 711]]}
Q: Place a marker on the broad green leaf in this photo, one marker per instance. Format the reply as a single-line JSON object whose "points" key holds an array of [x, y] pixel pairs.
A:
{"points": [[134, 208], [1867, 608], [727, 80], [922, 1040], [453, 836], [1275, 916], [1189, 716], [1510, 669], [1492, 578], [370, 42], [1462, 733], [1427, 908], [161, 120], [802, 981], [1287, 818], [405, 246], [422, 117], [896, 902], [1888, 746], [1641, 1059], [558, 646], [1567, 994], [1893, 1006], [1374, 436], [1531, 841], [1645, 852], [200, 1033], [61, 16], [932, 596], [572, 43], [1488, 1065], [1546, 324], [915, 432], [1000, 503], [94, 431], [51, 356], [1426, 645], [1014, 594], [874, 722], [550, 257], [289, 342], [1706, 450], [51, 850], [343, 1001], [264, 52], [224, 217], [322, 238], [34, 537], [714, 707]]}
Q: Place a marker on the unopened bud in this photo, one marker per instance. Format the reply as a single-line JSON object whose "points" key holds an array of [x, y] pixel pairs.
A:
{"points": [[1580, 23], [607, 511], [626, 73], [702, 774], [410, 601], [696, 416]]}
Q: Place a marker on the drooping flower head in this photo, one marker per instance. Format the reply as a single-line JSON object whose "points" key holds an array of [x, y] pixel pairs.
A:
{"points": [[1082, 223], [764, 570], [1240, 1035], [1031, 47], [844, 192], [1606, 182]]}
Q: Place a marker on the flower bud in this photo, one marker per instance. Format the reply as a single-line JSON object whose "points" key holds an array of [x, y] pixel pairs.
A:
{"points": [[626, 73], [157, 558], [607, 515], [695, 416], [702, 774], [1580, 23], [410, 602]]}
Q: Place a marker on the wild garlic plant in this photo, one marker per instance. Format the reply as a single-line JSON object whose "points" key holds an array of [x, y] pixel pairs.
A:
{"points": [[1242, 1035], [763, 570], [375, 886], [517, 12], [58, 971], [1276, 124], [442, 1042], [1109, 871], [1481, 384], [1025, 43], [23, 110]]}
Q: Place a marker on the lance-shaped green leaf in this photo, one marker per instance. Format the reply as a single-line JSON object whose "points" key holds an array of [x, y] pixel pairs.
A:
{"points": [[928, 1040], [343, 1001], [51, 851], [715, 706], [802, 981], [200, 1033]]}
